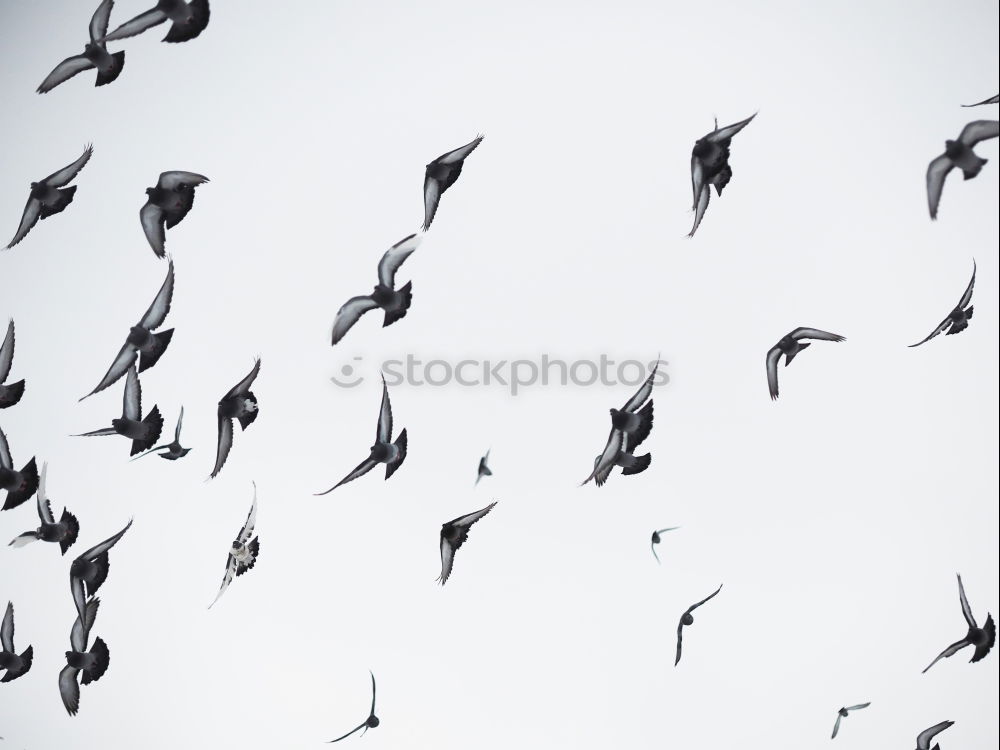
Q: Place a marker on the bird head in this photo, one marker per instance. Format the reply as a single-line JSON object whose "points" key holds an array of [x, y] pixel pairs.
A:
{"points": [[688, 618]]}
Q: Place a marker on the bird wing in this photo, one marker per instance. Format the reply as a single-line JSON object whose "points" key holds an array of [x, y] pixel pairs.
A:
{"points": [[950, 651], [680, 640], [225, 443], [243, 387], [383, 433], [937, 170], [432, 194], [69, 689], [645, 390], [349, 314], [63, 72], [132, 401], [32, 212], [697, 180], [360, 470], [177, 429], [460, 153], [471, 518], [226, 579], [247, 531], [394, 257], [123, 361], [180, 179], [695, 606], [44, 507], [773, 355], [814, 333], [151, 217], [991, 100], [80, 633], [7, 629], [942, 326], [160, 306], [608, 456], [372, 712], [859, 706], [5, 460], [99, 22], [724, 134], [64, 175], [925, 737], [980, 130], [966, 609], [7, 352], [967, 295], [447, 559], [104, 546], [652, 546], [836, 727], [699, 211], [137, 25], [359, 726]]}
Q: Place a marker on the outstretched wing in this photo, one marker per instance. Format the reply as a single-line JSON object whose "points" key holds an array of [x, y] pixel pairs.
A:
{"points": [[7, 352], [225, 444], [471, 518], [44, 507], [432, 195], [925, 737], [80, 633], [160, 306], [243, 387], [372, 712], [836, 727], [247, 531], [63, 72], [773, 355], [360, 726], [991, 100], [137, 25], [64, 175], [967, 295], [608, 456], [966, 609], [383, 433], [151, 217], [645, 390], [5, 460], [132, 401], [177, 429], [99, 22], [7, 629], [32, 212], [360, 470], [226, 579], [980, 130], [349, 314], [178, 179], [695, 606], [394, 257], [699, 212], [859, 706], [724, 134], [459, 154], [950, 651], [937, 170], [814, 333], [942, 326], [680, 641], [104, 546], [123, 361], [69, 689]]}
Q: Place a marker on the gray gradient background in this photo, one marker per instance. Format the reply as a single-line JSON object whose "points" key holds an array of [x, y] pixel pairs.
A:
{"points": [[837, 517]]}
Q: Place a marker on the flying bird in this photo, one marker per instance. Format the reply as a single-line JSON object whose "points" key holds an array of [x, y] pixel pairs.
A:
{"points": [[959, 154], [453, 536], [710, 166], [395, 302], [618, 454], [656, 540], [484, 470], [370, 723], [10, 393], [687, 619], [925, 737], [982, 638], [842, 714], [384, 450], [20, 485], [243, 553], [958, 319], [166, 205], [64, 532], [95, 55], [50, 196], [90, 570], [93, 663], [141, 343], [790, 346], [240, 404], [171, 451], [991, 100], [441, 175], [13, 664], [142, 432], [187, 20]]}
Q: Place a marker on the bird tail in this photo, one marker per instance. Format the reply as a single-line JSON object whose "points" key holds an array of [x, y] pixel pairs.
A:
{"points": [[64, 199], [11, 393], [254, 547], [640, 465], [102, 658], [117, 64], [247, 419], [791, 356], [103, 564], [72, 529], [400, 443], [152, 427], [29, 483], [24, 664], [974, 169], [722, 179], [968, 314], [404, 296], [160, 342], [990, 629]]}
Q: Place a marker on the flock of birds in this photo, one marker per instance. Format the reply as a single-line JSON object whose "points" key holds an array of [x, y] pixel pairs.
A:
{"points": [[169, 201]]}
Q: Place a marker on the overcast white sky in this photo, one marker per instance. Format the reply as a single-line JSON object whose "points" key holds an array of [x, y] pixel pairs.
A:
{"points": [[836, 517]]}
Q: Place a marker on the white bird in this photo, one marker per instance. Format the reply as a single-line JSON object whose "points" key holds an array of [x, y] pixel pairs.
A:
{"points": [[243, 552]]}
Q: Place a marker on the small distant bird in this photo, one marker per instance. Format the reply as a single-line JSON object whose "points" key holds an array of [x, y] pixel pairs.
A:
{"points": [[441, 175], [142, 432], [20, 485], [90, 570], [93, 663], [14, 665], [50, 196], [64, 532], [687, 619], [959, 154], [925, 737], [240, 404], [842, 714], [243, 553], [95, 55], [166, 205], [484, 470], [10, 393], [991, 100], [710, 166], [982, 638], [656, 540], [370, 723], [789, 346], [171, 451], [384, 451], [187, 20], [958, 319], [141, 343], [453, 535], [394, 302]]}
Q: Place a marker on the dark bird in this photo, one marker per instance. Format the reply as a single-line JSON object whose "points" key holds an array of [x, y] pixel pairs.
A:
{"points": [[710, 166], [842, 714], [991, 100], [170, 451], [187, 20], [141, 343], [958, 154], [395, 302], [10, 393], [90, 570], [370, 723], [95, 55], [484, 470], [64, 532], [441, 175], [50, 196], [384, 451], [20, 485], [958, 319], [925, 737], [243, 553], [142, 432], [790, 346], [687, 619], [240, 404], [93, 663], [656, 540], [14, 665], [453, 535], [166, 205], [981, 638]]}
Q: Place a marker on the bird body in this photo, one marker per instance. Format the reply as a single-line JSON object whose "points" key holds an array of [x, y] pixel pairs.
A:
{"points": [[655, 539], [173, 450], [959, 153], [90, 570], [370, 723], [958, 319], [454, 533], [980, 638], [925, 737], [688, 619], [790, 345], [243, 551], [142, 431], [842, 714], [92, 663], [167, 203], [14, 664], [484, 469], [50, 196], [187, 21], [710, 166], [95, 55], [20, 485], [240, 404], [441, 174]]}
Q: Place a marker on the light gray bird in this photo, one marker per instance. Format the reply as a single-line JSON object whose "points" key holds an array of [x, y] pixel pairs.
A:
{"points": [[20, 485], [93, 663], [167, 203], [10, 393], [90, 570], [710, 166], [453, 536], [63, 532], [981, 638], [370, 723], [687, 619], [171, 451], [484, 470], [991, 100], [50, 196], [141, 343], [441, 175], [187, 20], [842, 714], [925, 737], [395, 302], [243, 552], [959, 154], [790, 345], [656, 540], [240, 404], [14, 665], [958, 319], [143, 432], [384, 450], [95, 55]]}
